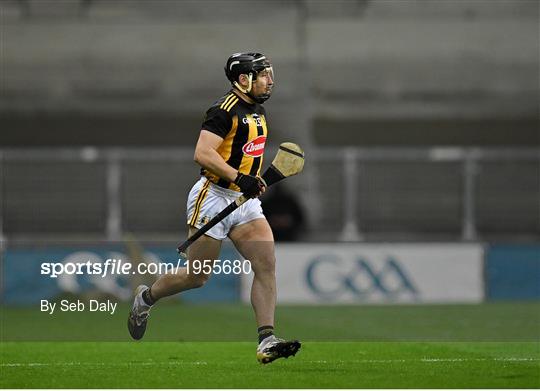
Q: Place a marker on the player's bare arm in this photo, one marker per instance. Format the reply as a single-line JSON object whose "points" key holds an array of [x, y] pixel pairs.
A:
{"points": [[207, 156]]}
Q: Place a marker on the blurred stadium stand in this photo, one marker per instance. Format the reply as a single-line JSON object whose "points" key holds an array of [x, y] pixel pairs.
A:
{"points": [[390, 72], [51, 196], [374, 75]]}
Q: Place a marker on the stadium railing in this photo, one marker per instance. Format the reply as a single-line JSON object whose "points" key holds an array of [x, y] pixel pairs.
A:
{"points": [[459, 194]]}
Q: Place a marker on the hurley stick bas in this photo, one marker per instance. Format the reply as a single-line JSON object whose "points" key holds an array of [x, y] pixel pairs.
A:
{"points": [[289, 161]]}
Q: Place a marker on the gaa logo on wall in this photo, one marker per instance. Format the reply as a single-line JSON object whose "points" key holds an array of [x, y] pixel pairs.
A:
{"points": [[355, 273], [332, 278]]}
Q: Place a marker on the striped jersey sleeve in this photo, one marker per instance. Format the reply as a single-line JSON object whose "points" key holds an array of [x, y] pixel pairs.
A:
{"points": [[217, 121]]}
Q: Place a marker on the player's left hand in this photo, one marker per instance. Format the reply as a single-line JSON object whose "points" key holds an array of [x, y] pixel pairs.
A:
{"points": [[251, 186]]}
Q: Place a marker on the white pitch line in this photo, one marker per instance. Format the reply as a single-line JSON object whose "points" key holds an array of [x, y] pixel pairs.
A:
{"points": [[366, 361], [41, 364], [389, 361]]}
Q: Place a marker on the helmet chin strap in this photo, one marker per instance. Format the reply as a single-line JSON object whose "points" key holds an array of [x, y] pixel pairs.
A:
{"points": [[259, 99]]}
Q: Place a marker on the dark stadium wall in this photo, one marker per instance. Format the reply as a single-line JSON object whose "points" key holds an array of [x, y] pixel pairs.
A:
{"points": [[182, 130], [427, 132]]}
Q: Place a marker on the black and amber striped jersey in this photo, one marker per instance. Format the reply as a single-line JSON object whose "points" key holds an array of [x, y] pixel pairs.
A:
{"points": [[243, 129]]}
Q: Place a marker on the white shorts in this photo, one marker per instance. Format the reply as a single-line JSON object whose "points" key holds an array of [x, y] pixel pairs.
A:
{"points": [[207, 199]]}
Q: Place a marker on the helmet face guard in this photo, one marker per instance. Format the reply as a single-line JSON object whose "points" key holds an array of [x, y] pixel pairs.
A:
{"points": [[250, 64]]}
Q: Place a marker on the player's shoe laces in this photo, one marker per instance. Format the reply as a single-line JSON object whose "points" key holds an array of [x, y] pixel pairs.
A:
{"points": [[138, 316], [272, 348]]}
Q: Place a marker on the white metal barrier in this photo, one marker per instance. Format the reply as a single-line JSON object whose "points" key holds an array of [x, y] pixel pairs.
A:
{"points": [[345, 172]]}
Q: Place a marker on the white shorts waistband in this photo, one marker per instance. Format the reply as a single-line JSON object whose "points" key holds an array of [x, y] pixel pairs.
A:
{"points": [[221, 190]]}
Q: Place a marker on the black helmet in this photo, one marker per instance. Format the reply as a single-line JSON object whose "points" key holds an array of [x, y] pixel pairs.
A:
{"points": [[247, 64]]}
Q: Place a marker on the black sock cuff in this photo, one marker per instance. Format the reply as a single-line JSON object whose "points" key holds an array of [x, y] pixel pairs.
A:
{"points": [[265, 329], [265, 332], [147, 297]]}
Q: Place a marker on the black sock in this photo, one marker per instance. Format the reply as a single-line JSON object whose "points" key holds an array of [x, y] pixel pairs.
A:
{"points": [[264, 332], [147, 297]]}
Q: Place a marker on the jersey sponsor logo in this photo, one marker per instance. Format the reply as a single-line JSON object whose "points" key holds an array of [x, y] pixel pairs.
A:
{"points": [[255, 148], [255, 118]]}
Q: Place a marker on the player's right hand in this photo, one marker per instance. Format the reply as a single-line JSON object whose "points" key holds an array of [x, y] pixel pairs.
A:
{"points": [[251, 186]]}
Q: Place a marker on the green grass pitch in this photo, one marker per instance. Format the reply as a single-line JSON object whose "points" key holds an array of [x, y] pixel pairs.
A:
{"points": [[212, 346]]}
